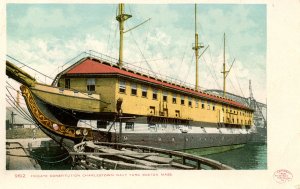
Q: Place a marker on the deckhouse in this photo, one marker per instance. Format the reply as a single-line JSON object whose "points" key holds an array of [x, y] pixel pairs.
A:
{"points": [[145, 95]]}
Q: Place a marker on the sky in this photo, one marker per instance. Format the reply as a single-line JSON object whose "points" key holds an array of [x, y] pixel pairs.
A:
{"points": [[46, 36]]}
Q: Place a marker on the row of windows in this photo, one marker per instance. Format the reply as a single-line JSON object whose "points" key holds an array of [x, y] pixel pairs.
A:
{"points": [[91, 83], [244, 113], [238, 121], [122, 89], [204, 104]]}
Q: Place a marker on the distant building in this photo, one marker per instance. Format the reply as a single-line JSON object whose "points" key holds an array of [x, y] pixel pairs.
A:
{"points": [[15, 119]]}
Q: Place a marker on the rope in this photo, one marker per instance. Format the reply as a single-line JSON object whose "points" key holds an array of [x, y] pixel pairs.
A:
{"points": [[24, 115], [29, 67], [141, 52], [210, 71], [188, 73], [214, 68]]}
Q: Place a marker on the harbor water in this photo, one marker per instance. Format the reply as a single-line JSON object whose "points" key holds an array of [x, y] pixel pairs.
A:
{"points": [[253, 156]]}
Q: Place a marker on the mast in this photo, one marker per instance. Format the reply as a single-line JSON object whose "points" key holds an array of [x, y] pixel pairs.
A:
{"points": [[225, 72], [224, 69], [196, 48], [250, 91], [121, 18]]}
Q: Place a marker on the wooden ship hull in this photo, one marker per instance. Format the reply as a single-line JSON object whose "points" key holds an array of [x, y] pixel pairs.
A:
{"points": [[133, 105], [58, 110]]}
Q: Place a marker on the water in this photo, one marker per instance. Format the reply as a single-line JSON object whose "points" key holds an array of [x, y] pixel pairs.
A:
{"points": [[55, 158], [253, 156]]}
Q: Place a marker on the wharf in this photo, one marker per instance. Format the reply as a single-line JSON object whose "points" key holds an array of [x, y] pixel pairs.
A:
{"points": [[119, 156], [18, 152], [18, 158], [100, 155]]}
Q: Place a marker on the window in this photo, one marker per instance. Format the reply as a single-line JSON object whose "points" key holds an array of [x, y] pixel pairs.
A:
{"points": [[165, 96], [182, 100], [213, 106], [197, 103], [174, 98], [190, 101], [91, 84], [102, 124], [177, 113], [122, 86], [154, 96], [202, 104], [67, 83], [129, 126], [208, 105], [152, 110], [144, 91], [133, 89]]}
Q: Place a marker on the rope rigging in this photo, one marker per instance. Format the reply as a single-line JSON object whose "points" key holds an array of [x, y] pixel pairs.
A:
{"points": [[11, 100], [29, 67]]}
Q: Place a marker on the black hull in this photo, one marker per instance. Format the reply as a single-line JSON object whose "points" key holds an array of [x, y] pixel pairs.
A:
{"points": [[260, 136], [175, 141]]}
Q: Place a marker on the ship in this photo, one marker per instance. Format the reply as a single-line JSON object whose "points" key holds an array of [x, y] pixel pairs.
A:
{"points": [[133, 105], [259, 115]]}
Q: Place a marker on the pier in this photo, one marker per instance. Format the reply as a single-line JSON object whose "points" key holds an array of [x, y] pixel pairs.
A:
{"points": [[18, 158], [100, 155], [19, 152], [119, 156]]}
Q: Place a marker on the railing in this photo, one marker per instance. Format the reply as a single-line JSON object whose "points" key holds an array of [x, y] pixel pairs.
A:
{"points": [[132, 67]]}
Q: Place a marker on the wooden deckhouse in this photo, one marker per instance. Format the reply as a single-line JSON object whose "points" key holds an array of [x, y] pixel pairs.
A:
{"points": [[148, 96]]}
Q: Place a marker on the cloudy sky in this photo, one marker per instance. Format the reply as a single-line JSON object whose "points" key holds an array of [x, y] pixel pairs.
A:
{"points": [[46, 36]]}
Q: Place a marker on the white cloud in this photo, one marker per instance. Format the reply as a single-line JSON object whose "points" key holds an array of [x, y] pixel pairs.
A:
{"points": [[46, 18], [165, 43]]}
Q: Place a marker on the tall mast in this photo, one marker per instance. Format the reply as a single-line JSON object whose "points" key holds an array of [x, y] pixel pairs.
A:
{"points": [[224, 70], [250, 91], [196, 47], [121, 18]]}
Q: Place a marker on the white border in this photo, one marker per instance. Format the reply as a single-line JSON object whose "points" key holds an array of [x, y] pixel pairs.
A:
{"points": [[283, 77]]}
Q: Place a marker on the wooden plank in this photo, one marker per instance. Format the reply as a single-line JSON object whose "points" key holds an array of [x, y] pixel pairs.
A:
{"points": [[140, 155], [110, 164], [138, 161], [159, 159], [128, 157], [89, 167], [111, 153], [181, 166]]}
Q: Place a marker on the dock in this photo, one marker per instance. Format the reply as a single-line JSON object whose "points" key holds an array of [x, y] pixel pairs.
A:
{"points": [[90, 155], [18, 155], [18, 158], [118, 156]]}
